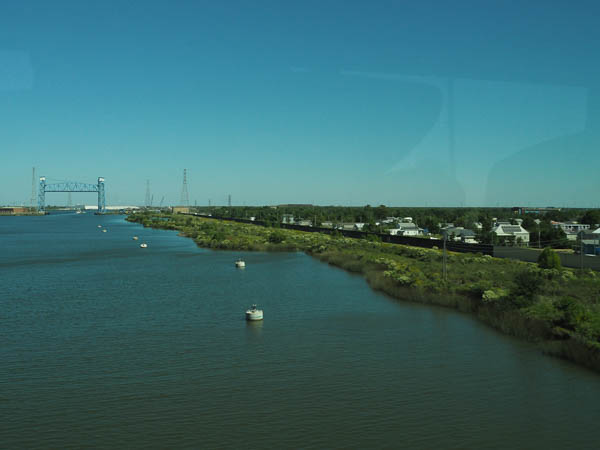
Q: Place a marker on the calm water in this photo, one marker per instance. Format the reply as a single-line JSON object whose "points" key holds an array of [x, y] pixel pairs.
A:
{"points": [[105, 344]]}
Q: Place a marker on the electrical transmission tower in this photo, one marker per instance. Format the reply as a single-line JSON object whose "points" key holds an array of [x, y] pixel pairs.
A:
{"points": [[147, 193], [185, 198], [229, 200], [33, 188]]}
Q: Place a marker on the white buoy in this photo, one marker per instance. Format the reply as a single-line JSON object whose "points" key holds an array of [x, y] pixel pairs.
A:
{"points": [[254, 314]]}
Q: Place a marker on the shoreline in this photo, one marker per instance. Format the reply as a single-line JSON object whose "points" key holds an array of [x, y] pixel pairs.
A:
{"points": [[495, 291]]}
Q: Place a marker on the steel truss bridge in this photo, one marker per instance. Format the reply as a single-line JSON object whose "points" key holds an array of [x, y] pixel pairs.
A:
{"points": [[71, 186]]}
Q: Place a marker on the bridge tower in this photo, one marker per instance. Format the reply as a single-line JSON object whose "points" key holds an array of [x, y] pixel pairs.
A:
{"points": [[101, 196], [71, 186], [42, 194]]}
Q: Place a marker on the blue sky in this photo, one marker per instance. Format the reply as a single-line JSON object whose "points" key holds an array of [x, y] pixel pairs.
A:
{"points": [[400, 102]]}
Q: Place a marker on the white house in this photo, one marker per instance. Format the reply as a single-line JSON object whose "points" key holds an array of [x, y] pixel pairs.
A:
{"points": [[406, 229], [517, 231], [571, 228]]}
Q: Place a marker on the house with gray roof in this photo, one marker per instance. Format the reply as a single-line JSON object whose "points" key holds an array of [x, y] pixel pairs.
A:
{"points": [[406, 229], [590, 241], [460, 234], [520, 234]]}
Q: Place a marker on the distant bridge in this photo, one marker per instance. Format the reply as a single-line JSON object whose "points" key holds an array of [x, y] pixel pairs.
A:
{"points": [[71, 186]]}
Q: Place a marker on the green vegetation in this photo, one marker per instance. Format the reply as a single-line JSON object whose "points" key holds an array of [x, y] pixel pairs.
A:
{"points": [[560, 308], [540, 225], [549, 259]]}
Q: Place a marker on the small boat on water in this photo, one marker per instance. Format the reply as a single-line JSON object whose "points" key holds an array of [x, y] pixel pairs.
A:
{"points": [[239, 263], [99, 226], [254, 314], [135, 238], [144, 245], [104, 231]]}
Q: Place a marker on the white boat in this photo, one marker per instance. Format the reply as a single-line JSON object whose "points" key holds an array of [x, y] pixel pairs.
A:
{"points": [[99, 226], [144, 245], [240, 263], [104, 231], [254, 314], [135, 238]]}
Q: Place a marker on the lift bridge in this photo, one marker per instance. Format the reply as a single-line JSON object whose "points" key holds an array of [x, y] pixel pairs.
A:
{"points": [[71, 186]]}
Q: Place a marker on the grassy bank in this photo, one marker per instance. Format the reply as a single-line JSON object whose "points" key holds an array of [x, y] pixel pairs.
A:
{"points": [[560, 309]]}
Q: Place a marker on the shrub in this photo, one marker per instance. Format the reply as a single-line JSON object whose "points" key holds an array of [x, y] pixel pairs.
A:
{"points": [[549, 259], [276, 237], [372, 237], [493, 295], [545, 309], [574, 313], [527, 283], [219, 236]]}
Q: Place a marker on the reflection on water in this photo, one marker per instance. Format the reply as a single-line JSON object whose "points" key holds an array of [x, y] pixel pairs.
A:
{"points": [[254, 329]]}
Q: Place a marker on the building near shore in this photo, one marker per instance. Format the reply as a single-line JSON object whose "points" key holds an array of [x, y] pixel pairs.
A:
{"points": [[460, 234], [13, 210], [571, 228], [181, 209], [506, 230], [406, 229]]}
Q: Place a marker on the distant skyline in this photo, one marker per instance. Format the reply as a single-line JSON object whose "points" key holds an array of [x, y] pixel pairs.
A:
{"points": [[322, 102]]}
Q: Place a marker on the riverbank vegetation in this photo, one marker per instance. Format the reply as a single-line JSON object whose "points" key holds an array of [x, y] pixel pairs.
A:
{"points": [[557, 307], [541, 224]]}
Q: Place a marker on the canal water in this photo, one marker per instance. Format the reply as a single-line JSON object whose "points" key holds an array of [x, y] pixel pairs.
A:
{"points": [[105, 344]]}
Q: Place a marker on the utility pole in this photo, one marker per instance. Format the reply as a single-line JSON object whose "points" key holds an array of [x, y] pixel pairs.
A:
{"points": [[229, 201], [445, 271], [581, 249], [185, 198]]}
